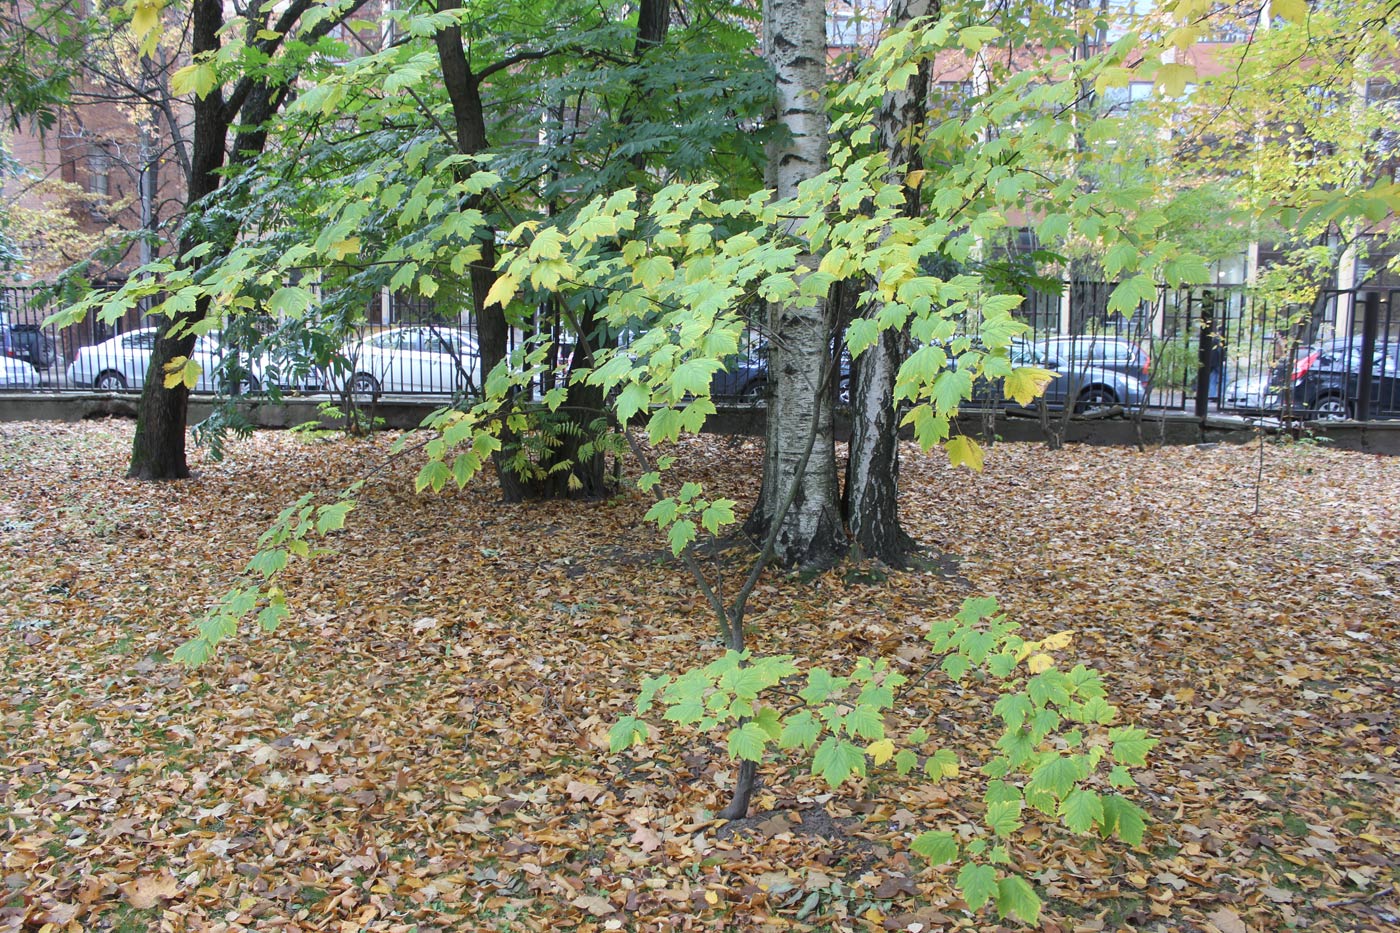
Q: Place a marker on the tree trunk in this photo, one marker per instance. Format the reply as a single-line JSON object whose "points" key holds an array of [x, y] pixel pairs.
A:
{"points": [[158, 450], [492, 330], [583, 404], [872, 472], [800, 366], [162, 417]]}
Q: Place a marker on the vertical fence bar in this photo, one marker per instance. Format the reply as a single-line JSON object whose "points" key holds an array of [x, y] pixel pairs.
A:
{"points": [[1205, 347], [1370, 324]]}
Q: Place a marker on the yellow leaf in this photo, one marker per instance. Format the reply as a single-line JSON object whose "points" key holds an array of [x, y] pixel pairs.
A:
{"points": [[1184, 37], [1295, 11], [181, 369], [346, 247], [1173, 78], [145, 22], [1026, 383], [963, 450], [1113, 77], [1057, 641], [182, 81], [148, 891], [915, 178], [502, 290], [711, 898], [1040, 662], [882, 751]]}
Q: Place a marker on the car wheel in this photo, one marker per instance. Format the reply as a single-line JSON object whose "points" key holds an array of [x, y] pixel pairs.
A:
{"points": [[364, 388], [843, 391], [1094, 398], [1331, 408], [109, 380], [755, 391]]}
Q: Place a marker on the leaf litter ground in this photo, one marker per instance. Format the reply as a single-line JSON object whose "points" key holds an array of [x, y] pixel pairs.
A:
{"points": [[424, 746]]}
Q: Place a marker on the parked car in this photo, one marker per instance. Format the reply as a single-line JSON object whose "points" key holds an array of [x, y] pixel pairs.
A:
{"points": [[1091, 385], [28, 342], [17, 374], [745, 377], [1325, 382], [1117, 353], [122, 361], [425, 358], [1327, 379]]}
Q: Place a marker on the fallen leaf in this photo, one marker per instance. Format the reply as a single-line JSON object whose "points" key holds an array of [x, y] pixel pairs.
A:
{"points": [[149, 890]]}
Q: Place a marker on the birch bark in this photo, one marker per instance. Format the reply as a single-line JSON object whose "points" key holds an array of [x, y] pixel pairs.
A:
{"points": [[800, 366], [872, 469]]}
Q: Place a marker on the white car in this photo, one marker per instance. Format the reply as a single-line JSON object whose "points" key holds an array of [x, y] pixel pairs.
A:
{"points": [[122, 362], [17, 374], [419, 359]]}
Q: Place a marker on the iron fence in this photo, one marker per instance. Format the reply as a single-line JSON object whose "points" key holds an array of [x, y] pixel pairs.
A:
{"points": [[1205, 350]]}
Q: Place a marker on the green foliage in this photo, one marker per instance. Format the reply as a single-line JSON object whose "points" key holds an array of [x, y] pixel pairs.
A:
{"points": [[1060, 756], [354, 421], [843, 717]]}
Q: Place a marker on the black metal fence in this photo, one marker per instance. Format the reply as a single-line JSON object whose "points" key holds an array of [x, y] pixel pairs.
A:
{"points": [[1226, 350], [1203, 350]]}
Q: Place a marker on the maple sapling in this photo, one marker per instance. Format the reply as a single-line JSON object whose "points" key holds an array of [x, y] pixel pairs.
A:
{"points": [[1061, 756]]}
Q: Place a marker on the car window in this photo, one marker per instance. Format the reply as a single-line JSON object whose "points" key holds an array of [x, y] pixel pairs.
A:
{"points": [[145, 340], [386, 341], [1023, 355]]}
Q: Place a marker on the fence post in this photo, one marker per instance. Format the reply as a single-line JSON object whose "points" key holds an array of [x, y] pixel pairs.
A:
{"points": [[1370, 324], [1205, 354]]}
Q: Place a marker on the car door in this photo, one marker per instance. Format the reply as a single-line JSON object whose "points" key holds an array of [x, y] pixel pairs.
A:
{"points": [[438, 356], [133, 356], [1387, 383], [208, 353], [419, 366], [379, 356], [463, 357]]}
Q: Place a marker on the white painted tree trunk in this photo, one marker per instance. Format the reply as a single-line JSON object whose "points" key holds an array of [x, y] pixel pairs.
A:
{"points": [[800, 458], [872, 476]]}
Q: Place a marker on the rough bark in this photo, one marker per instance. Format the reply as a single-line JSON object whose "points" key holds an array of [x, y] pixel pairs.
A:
{"points": [[872, 472], [158, 449], [800, 367], [162, 417]]}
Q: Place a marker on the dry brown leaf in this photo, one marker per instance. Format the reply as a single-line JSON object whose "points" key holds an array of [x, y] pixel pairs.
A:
{"points": [[1227, 921], [149, 890]]}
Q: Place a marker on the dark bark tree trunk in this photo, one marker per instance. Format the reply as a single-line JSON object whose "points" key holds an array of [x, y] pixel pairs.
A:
{"points": [[158, 450], [162, 417], [492, 329], [871, 497], [583, 404]]}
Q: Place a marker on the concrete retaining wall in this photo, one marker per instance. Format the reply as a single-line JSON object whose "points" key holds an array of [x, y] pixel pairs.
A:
{"points": [[1171, 428]]}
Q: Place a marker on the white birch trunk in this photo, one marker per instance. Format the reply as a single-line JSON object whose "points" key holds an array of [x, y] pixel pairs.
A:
{"points": [[872, 478], [800, 371]]}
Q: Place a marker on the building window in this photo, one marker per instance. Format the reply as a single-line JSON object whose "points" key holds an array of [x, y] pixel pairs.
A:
{"points": [[1119, 100], [99, 170]]}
